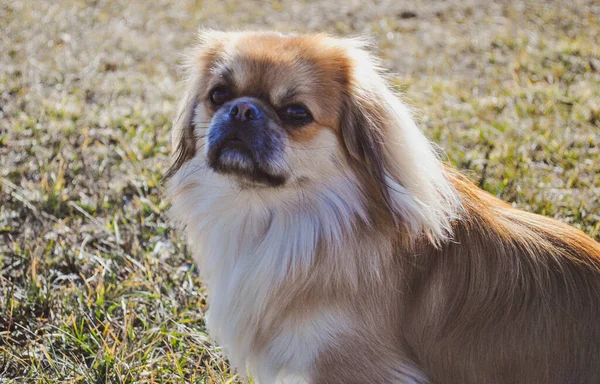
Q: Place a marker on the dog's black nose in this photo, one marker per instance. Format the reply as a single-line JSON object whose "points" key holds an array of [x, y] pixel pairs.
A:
{"points": [[244, 111]]}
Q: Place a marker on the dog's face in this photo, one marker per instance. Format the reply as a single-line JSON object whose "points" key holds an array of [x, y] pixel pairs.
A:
{"points": [[270, 113], [266, 109]]}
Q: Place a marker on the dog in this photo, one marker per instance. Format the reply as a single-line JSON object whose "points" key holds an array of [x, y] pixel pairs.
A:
{"points": [[336, 246]]}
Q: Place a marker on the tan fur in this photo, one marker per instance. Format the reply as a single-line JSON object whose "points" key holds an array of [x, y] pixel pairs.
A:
{"points": [[493, 295]]}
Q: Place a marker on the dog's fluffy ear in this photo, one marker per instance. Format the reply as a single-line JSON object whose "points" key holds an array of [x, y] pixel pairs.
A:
{"points": [[183, 138], [195, 64], [381, 137]]}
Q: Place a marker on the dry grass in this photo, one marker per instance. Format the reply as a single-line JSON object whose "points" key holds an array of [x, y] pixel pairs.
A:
{"points": [[94, 285]]}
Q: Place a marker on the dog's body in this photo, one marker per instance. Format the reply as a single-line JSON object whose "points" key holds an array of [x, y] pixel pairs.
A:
{"points": [[336, 247]]}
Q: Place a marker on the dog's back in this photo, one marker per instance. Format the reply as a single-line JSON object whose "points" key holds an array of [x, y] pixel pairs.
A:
{"points": [[515, 298]]}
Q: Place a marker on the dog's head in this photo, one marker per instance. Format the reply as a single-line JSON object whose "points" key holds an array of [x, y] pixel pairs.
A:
{"points": [[273, 113]]}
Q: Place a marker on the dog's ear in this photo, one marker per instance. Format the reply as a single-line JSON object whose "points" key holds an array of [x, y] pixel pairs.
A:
{"points": [[362, 138], [196, 66], [383, 141], [183, 138]]}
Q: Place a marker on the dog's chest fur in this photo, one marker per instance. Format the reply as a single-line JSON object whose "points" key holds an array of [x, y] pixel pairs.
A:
{"points": [[258, 260], [254, 308]]}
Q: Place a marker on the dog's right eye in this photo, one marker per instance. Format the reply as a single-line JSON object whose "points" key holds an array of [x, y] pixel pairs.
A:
{"points": [[220, 95], [296, 114]]}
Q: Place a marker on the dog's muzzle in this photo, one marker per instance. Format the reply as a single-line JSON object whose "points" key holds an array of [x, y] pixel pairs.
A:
{"points": [[244, 140]]}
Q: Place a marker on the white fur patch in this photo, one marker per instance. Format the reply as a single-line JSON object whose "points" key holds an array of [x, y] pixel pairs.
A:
{"points": [[292, 352]]}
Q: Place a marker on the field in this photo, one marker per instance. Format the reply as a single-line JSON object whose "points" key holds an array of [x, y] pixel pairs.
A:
{"points": [[95, 287]]}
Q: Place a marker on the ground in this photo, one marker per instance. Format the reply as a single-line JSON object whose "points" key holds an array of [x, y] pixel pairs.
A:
{"points": [[96, 287]]}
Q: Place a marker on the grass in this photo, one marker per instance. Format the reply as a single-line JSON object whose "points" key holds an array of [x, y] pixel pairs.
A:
{"points": [[95, 287]]}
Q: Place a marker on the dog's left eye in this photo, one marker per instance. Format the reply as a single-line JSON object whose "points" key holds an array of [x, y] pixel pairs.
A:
{"points": [[296, 114], [220, 95]]}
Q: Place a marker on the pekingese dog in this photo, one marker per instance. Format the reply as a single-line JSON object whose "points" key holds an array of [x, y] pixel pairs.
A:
{"points": [[337, 248]]}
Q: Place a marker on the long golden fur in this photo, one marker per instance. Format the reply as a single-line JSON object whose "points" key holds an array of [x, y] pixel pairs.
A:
{"points": [[365, 260]]}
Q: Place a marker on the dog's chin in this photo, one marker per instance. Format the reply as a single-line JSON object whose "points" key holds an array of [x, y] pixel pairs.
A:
{"points": [[236, 160]]}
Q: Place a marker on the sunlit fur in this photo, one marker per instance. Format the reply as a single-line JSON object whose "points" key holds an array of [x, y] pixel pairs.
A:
{"points": [[373, 263]]}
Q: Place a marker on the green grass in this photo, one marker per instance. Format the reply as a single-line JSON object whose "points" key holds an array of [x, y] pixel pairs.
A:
{"points": [[95, 287]]}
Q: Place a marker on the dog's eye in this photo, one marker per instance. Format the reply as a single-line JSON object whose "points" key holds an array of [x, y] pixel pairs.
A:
{"points": [[296, 114], [220, 95]]}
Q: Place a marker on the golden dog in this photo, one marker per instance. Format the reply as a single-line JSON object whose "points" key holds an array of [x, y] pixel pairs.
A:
{"points": [[337, 248]]}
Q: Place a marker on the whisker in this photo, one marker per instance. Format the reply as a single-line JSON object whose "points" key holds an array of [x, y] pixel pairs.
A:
{"points": [[288, 165]]}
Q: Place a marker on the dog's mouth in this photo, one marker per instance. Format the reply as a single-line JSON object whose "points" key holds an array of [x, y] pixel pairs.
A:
{"points": [[234, 157]]}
